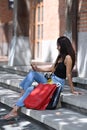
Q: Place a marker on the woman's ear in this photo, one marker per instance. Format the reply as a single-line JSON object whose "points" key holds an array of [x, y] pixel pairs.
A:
{"points": [[58, 47]]}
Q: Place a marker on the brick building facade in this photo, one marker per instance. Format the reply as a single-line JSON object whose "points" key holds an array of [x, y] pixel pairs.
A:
{"points": [[43, 21], [82, 38], [6, 18], [51, 17]]}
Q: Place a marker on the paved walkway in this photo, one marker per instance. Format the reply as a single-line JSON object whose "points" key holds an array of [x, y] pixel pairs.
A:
{"points": [[59, 119], [21, 123]]}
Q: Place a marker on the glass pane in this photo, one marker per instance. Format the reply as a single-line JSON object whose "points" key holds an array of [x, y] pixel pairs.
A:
{"points": [[38, 14], [39, 1], [42, 31], [38, 32], [38, 49], [34, 2], [33, 32], [42, 14], [34, 14]]}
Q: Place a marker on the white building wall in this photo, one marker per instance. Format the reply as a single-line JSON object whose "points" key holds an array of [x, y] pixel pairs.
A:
{"points": [[82, 54], [49, 51], [20, 54]]}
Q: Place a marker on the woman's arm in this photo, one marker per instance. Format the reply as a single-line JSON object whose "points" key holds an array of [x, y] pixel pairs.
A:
{"points": [[42, 69], [68, 63]]}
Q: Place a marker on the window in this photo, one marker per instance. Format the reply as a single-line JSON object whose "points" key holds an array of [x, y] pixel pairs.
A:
{"points": [[11, 4], [37, 26]]}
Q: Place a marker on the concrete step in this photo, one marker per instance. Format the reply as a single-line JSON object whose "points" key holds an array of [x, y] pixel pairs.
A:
{"points": [[60, 119], [3, 60], [75, 102], [20, 70], [11, 80], [80, 82], [23, 70]]}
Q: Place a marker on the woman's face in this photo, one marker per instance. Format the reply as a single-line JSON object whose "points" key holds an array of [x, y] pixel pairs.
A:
{"points": [[58, 47]]}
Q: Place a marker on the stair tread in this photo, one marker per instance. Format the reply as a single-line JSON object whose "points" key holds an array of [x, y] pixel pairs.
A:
{"points": [[76, 100], [60, 119]]}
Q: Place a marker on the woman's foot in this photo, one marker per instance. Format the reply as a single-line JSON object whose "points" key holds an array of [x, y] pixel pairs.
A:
{"points": [[22, 92], [10, 116]]}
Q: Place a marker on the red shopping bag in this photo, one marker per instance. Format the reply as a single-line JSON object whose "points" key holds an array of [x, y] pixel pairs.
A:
{"points": [[40, 96]]}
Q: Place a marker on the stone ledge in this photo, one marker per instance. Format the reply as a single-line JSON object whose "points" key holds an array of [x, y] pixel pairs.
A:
{"points": [[80, 80], [60, 119], [78, 101]]}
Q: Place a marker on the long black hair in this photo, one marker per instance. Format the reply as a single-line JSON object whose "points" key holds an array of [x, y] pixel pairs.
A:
{"points": [[65, 49]]}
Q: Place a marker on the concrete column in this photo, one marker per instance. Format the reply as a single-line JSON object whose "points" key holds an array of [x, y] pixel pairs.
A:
{"points": [[19, 54]]}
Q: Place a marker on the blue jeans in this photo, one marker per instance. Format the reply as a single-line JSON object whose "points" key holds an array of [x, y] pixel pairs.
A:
{"points": [[32, 76], [26, 85]]}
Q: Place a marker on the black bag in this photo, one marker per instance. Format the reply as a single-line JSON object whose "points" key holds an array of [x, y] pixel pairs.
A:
{"points": [[55, 99], [48, 75]]}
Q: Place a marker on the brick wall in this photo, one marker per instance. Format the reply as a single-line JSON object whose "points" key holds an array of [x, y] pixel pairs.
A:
{"points": [[6, 14], [82, 16], [82, 39], [23, 18], [54, 18]]}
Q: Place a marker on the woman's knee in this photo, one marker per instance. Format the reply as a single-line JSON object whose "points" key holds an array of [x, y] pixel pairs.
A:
{"points": [[29, 89], [31, 73]]}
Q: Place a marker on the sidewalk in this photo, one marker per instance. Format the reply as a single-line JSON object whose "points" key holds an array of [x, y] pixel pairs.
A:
{"points": [[59, 119], [3, 60]]}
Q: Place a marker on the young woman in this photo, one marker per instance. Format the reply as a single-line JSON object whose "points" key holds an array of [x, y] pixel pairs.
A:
{"points": [[61, 69]]}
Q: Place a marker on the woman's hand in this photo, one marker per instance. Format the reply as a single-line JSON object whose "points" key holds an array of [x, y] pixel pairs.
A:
{"points": [[77, 92], [34, 67]]}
